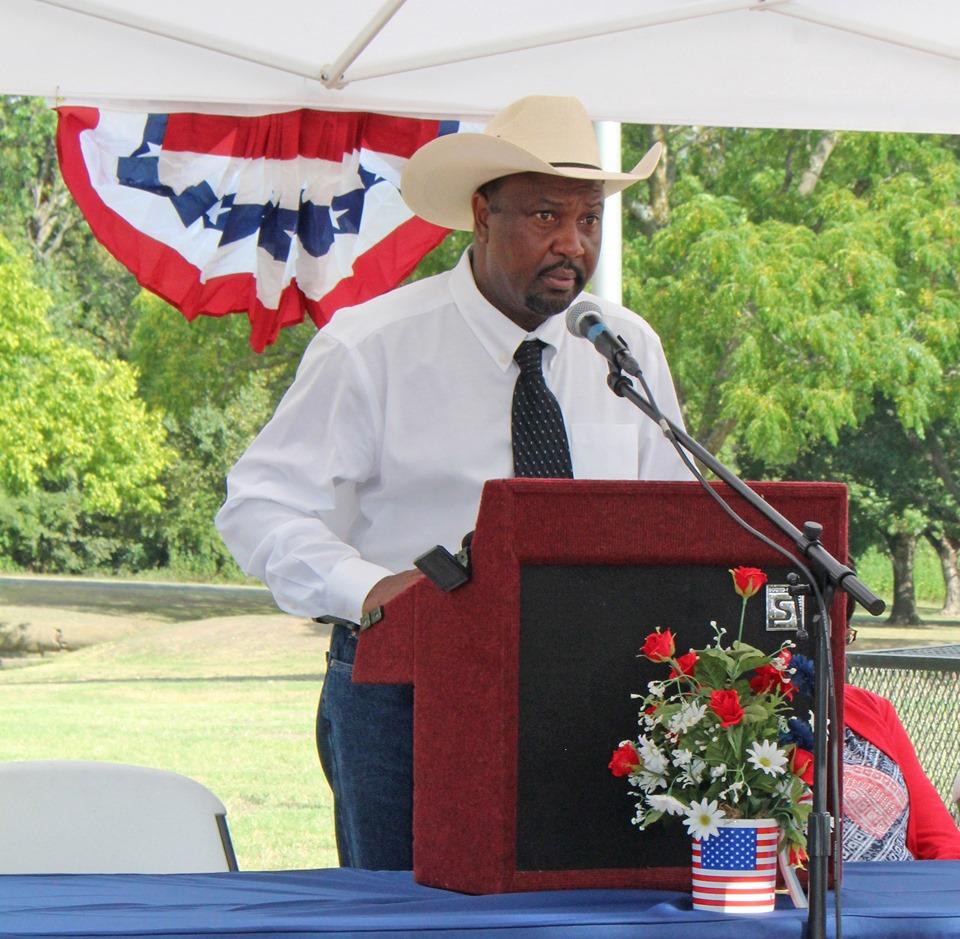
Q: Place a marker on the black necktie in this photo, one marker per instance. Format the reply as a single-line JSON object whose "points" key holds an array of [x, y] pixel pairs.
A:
{"points": [[540, 445]]}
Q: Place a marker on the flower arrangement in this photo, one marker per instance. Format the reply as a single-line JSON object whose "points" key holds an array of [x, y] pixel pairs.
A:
{"points": [[716, 738]]}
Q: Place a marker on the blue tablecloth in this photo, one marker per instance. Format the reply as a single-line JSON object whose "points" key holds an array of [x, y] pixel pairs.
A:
{"points": [[906, 901]]}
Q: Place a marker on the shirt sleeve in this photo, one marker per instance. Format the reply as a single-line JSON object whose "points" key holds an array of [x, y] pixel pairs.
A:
{"points": [[280, 518], [932, 834]]}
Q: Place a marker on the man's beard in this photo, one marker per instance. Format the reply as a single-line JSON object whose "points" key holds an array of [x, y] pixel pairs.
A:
{"points": [[551, 306]]}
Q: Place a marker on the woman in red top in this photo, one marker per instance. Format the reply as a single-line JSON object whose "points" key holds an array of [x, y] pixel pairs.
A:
{"points": [[872, 799]]}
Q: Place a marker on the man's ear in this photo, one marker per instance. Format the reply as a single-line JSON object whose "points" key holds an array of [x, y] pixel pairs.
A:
{"points": [[481, 217]]}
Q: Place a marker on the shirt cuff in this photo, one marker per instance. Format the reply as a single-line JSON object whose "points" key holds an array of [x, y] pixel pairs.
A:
{"points": [[348, 585]]}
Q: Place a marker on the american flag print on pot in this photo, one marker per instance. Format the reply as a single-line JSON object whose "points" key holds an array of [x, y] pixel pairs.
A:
{"points": [[735, 871]]}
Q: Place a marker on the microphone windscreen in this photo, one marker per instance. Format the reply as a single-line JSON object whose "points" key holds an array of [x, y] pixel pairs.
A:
{"points": [[576, 314]]}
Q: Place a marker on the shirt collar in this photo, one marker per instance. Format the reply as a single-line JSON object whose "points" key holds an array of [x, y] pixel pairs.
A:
{"points": [[495, 331]]}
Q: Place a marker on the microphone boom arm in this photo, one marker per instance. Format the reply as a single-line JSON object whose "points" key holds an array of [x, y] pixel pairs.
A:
{"points": [[836, 573], [826, 575]]}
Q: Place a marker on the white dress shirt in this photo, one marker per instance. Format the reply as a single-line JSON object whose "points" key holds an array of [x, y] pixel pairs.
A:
{"points": [[399, 413]]}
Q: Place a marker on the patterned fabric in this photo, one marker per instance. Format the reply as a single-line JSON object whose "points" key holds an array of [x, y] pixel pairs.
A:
{"points": [[277, 216], [876, 804], [540, 446]]}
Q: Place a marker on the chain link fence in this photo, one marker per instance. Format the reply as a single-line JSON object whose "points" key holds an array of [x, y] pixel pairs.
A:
{"points": [[923, 684]]}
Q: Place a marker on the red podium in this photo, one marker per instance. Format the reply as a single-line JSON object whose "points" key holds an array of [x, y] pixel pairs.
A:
{"points": [[523, 676]]}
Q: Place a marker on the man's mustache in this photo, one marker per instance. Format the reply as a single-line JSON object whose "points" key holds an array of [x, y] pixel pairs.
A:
{"points": [[564, 266]]}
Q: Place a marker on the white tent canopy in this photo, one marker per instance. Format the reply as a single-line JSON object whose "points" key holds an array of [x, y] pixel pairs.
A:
{"points": [[837, 64]]}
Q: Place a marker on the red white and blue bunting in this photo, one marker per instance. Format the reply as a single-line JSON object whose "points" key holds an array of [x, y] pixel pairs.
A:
{"points": [[278, 216]]}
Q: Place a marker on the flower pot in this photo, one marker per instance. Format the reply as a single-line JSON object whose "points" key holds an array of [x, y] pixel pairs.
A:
{"points": [[735, 871]]}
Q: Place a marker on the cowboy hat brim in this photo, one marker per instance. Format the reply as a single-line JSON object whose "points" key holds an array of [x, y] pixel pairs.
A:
{"points": [[442, 176]]}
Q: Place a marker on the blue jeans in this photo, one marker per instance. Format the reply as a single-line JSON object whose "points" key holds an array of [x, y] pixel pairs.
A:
{"points": [[365, 742]]}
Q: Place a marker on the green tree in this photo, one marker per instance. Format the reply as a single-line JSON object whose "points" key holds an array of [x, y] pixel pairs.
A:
{"points": [[215, 394], [80, 455], [92, 292], [895, 497], [797, 278]]}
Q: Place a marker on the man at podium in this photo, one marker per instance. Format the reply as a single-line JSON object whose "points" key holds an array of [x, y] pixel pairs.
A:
{"points": [[405, 405]]}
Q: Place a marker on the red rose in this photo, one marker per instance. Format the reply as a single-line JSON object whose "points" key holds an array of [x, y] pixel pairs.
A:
{"points": [[801, 764], [625, 760], [687, 664], [765, 679], [659, 646], [768, 678], [726, 705], [748, 580]]}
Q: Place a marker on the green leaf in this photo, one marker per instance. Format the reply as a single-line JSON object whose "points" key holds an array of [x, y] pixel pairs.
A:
{"points": [[755, 713], [713, 668]]}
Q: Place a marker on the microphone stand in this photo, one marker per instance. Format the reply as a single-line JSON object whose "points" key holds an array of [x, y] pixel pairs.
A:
{"points": [[830, 575]]}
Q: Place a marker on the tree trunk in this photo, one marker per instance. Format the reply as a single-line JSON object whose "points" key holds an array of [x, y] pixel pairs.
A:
{"points": [[660, 182], [902, 549], [818, 160], [52, 215], [934, 450], [947, 552], [654, 214]]}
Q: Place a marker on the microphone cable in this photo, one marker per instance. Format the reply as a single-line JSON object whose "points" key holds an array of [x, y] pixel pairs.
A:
{"points": [[823, 646]]}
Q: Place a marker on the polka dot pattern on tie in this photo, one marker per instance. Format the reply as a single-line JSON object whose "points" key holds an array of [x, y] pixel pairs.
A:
{"points": [[540, 446]]}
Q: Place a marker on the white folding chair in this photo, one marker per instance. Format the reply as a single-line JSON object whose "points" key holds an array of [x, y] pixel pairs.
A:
{"points": [[77, 816]]}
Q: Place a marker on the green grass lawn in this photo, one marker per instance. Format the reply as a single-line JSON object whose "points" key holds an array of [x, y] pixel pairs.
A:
{"points": [[873, 632], [229, 702]]}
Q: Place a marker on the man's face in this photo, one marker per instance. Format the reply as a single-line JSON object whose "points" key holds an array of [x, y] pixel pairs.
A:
{"points": [[536, 243]]}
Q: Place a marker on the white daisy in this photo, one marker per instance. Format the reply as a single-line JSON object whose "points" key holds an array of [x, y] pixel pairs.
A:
{"points": [[688, 716], [666, 803], [703, 818], [696, 769], [652, 757], [767, 756], [649, 781], [682, 757]]}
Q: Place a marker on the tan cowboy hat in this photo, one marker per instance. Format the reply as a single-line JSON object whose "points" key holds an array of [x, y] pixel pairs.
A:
{"points": [[537, 134]]}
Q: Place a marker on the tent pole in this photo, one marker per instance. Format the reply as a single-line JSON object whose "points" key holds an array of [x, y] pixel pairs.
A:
{"points": [[608, 279], [549, 38], [332, 74], [868, 30], [132, 19]]}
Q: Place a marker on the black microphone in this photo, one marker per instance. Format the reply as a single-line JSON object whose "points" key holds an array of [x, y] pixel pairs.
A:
{"points": [[584, 320]]}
